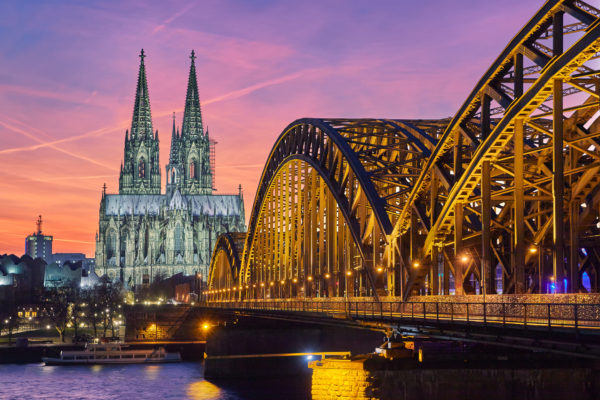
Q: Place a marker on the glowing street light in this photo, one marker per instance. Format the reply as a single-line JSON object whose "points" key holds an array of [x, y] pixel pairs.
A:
{"points": [[310, 278], [464, 258], [295, 280], [533, 250], [416, 264], [349, 273], [379, 270], [327, 276]]}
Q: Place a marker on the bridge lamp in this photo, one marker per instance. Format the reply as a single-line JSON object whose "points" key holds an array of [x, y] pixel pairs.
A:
{"points": [[295, 280], [234, 288], [272, 283], [282, 282], [254, 285], [327, 276], [310, 278], [205, 326], [247, 287], [262, 284], [533, 250], [416, 264], [464, 258], [379, 270], [349, 273]]}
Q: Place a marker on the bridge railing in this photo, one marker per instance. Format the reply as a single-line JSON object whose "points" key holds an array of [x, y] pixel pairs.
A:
{"points": [[549, 315]]}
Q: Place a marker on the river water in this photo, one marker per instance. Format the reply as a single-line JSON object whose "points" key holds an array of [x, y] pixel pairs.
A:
{"points": [[167, 381]]}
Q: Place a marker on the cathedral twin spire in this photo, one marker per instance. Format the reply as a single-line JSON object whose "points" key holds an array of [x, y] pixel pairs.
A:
{"points": [[189, 160]]}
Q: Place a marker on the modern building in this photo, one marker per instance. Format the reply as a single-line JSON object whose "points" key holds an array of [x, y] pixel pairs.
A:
{"points": [[21, 279], [38, 245], [70, 273], [143, 233], [86, 263]]}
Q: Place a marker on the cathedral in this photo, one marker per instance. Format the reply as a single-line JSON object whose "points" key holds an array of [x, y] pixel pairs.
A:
{"points": [[143, 233]]}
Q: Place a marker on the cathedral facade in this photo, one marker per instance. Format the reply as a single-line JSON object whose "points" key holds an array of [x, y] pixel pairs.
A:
{"points": [[143, 233]]}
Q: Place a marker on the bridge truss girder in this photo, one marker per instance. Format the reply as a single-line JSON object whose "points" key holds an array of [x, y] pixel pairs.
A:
{"points": [[510, 183]]}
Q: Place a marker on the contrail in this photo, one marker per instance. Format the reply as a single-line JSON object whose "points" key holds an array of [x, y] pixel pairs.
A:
{"points": [[173, 17], [102, 131], [51, 145], [247, 90]]}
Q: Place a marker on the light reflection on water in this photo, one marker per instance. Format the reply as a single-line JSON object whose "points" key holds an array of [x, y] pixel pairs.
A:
{"points": [[169, 381]]}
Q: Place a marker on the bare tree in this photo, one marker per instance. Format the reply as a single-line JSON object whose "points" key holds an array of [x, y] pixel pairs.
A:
{"points": [[9, 319], [59, 302]]}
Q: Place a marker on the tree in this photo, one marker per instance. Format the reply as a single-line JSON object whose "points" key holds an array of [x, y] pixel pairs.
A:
{"points": [[77, 310], [103, 302], [94, 308], [9, 319], [59, 302]]}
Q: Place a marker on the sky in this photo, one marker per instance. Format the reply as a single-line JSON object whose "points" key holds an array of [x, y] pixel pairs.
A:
{"points": [[68, 73]]}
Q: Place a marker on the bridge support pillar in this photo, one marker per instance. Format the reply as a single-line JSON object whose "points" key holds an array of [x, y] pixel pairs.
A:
{"points": [[519, 209], [573, 283], [458, 238], [486, 220], [558, 188]]}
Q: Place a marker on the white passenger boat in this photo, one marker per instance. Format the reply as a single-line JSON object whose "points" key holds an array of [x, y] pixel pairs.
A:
{"points": [[112, 353]]}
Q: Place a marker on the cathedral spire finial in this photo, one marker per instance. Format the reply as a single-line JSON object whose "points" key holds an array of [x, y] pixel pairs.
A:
{"points": [[141, 124], [192, 115]]}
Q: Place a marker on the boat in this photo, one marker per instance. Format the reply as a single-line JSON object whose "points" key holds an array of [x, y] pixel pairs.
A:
{"points": [[112, 353]]}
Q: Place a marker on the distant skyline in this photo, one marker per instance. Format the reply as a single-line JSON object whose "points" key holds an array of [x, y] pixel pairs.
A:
{"points": [[69, 72]]}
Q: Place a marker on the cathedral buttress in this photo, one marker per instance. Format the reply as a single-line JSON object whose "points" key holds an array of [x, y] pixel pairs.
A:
{"points": [[140, 173]]}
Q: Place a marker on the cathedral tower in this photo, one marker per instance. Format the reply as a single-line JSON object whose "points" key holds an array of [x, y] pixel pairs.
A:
{"points": [[140, 171], [189, 162]]}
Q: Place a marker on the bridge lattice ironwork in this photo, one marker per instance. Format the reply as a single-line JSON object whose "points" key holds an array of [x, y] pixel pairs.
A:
{"points": [[504, 195]]}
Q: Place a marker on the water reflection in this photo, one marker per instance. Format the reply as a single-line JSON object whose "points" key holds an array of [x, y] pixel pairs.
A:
{"points": [[96, 368], [165, 382], [151, 371], [203, 390]]}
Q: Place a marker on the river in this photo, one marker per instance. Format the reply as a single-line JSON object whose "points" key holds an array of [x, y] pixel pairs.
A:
{"points": [[167, 381]]}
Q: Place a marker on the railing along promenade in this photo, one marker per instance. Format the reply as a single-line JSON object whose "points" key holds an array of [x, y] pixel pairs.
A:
{"points": [[574, 311]]}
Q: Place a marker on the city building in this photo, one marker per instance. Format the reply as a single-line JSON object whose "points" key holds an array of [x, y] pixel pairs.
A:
{"points": [[21, 279], [86, 263], [143, 233], [38, 245], [70, 273]]}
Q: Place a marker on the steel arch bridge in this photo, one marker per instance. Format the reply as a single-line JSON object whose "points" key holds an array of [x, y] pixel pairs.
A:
{"points": [[503, 197]]}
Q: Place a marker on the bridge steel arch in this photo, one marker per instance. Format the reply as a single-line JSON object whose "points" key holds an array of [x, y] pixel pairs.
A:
{"points": [[226, 264], [504, 197]]}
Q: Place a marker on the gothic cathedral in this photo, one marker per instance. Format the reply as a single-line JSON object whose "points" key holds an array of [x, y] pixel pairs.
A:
{"points": [[143, 233]]}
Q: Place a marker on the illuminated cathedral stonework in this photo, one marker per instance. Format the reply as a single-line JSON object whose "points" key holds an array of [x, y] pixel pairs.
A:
{"points": [[143, 233]]}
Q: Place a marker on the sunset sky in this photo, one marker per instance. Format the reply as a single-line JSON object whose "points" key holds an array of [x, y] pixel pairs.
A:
{"points": [[68, 73]]}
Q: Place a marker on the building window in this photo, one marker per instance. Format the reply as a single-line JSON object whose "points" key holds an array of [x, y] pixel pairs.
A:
{"points": [[111, 245], [178, 239], [142, 168], [193, 169]]}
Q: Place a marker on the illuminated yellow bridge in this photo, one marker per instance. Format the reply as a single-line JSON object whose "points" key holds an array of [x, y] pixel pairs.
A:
{"points": [[497, 205]]}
